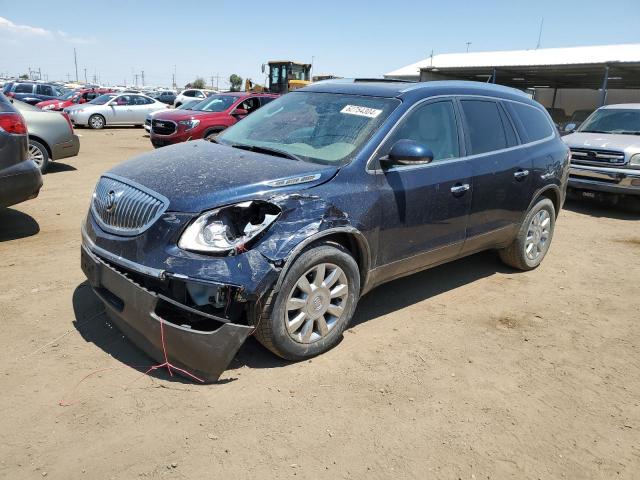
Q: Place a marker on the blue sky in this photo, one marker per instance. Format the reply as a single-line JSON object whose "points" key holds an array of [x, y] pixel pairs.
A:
{"points": [[347, 38]]}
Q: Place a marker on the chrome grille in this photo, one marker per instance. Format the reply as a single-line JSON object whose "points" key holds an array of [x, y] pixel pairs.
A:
{"points": [[125, 208], [592, 156]]}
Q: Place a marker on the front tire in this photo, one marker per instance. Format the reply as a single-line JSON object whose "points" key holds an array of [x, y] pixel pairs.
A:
{"points": [[533, 239], [39, 154], [97, 122], [316, 301]]}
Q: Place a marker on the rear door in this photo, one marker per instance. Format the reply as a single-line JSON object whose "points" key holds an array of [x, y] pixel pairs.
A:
{"points": [[501, 171], [425, 206]]}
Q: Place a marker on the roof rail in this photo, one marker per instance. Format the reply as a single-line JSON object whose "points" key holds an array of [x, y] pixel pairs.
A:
{"points": [[384, 80]]}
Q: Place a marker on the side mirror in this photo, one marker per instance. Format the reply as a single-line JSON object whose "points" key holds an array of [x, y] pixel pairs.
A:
{"points": [[570, 127], [408, 152], [240, 112]]}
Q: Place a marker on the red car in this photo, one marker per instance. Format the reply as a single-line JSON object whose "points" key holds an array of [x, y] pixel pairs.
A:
{"points": [[207, 119], [72, 98]]}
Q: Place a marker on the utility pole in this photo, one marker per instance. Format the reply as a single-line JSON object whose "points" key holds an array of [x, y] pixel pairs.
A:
{"points": [[85, 76], [142, 78], [39, 73], [468, 45], [136, 77], [540, 33], [313, 57], [175, 85], [75, 59]]}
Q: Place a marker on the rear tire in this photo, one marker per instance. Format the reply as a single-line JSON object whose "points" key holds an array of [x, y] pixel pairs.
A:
{"points": [[533, 239], [97, 122], [299, 323], [39, 154]]}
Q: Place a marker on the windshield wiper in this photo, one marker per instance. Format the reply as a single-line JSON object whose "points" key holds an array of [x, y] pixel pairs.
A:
{"points": [[593, 131], [628, 132], [267, 150]]}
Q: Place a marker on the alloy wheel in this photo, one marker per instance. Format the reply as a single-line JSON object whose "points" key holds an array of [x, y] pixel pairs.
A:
{"points": [[316, 303], [36, 155], [538, 234]]}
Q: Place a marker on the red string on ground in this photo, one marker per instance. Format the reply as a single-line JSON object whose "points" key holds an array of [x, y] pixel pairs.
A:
{"points": [[166, 364]]}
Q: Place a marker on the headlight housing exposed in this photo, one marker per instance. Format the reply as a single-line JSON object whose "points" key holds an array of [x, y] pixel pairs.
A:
{"points": [[190, 124], [230, 229], [634, 161]]}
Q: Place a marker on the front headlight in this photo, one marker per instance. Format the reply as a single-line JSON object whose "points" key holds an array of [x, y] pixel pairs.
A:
{"points": [[634, 161], [189, 123], [229, 229]]}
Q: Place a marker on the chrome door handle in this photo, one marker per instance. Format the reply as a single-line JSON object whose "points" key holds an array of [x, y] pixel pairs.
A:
{"points": [[459, 189], [520, 174]]}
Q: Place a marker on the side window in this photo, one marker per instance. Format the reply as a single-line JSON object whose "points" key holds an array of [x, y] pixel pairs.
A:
{"points": [[484, 126], [250, 104], [24, 88], [534, 122], [123, 100], [189, 93], [435, 126], [90, 96], [45, 90], [512, 138], [198, 94]]}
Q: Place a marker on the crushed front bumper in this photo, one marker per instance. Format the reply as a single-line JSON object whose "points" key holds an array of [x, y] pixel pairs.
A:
{"points": [[205, 354]]}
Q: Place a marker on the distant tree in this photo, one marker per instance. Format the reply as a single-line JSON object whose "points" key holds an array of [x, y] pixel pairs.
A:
{"points": [[236, 82], [24, 76], [198, 83]]}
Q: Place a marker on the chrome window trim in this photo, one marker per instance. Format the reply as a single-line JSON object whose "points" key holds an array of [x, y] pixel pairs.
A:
{"points": [[378, 171]]}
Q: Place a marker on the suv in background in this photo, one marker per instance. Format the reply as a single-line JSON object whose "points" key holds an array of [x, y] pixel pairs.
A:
{"points": [[207, 119], [280, 226], [20, 178], [165, 97], [191, 94], [72, 98], [32, 92], [605, 152]]}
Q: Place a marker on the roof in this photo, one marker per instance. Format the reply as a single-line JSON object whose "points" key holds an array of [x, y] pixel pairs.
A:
{"points": [[626, 106], [400, 89], [601, 54]]}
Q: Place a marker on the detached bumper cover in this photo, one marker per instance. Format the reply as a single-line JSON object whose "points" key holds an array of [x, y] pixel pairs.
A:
{"points": [[605, 179], [132, 308], [19, 182]]}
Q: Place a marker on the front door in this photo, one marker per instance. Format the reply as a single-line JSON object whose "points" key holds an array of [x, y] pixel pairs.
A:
{"points": [[120, 110], [425, 205]]}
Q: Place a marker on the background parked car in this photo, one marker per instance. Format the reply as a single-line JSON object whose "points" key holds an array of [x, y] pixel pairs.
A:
{"points": [[206, 119], [185, 106], [51, 135], [75, 97], [32, 92], [191, 94], [114, 109], [165, 97], [575, 121], [20, 178]]}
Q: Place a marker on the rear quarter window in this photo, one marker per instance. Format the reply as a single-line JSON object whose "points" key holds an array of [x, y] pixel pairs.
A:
{"points": [[534, 124]]}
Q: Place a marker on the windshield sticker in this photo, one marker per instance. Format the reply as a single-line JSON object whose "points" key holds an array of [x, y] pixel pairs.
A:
{"points": [[361, 111]]}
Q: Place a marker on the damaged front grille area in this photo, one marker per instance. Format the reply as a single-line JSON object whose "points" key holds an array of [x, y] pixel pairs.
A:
{"points": [[190, 304]]}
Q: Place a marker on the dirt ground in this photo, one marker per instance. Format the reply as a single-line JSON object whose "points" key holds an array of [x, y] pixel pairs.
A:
{"points": [[469, 370]]}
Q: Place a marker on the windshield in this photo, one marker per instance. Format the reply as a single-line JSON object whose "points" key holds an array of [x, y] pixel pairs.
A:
{"points": [[102, 99], [613, 120], [189, 105], [215, 103], [317, 127]]}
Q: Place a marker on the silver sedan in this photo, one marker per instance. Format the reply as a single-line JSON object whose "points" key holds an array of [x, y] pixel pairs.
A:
{"points": [[114, 109]]}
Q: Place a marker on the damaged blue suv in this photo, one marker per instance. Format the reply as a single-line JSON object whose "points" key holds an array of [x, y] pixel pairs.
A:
{"points": [[281, 225]]}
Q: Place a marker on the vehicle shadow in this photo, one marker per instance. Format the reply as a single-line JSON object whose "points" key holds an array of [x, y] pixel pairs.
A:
{"points": [[55, 167], [93, 325], [394, 296], [15, 224], [600, 209]]}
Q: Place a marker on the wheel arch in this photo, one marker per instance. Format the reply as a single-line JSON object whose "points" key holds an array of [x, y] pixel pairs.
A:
{"points": [[552, 192], [214, 129], [348, 237]]}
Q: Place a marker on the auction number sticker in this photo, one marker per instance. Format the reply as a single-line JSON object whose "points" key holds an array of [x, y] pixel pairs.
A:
{"points": [[361, 111]]}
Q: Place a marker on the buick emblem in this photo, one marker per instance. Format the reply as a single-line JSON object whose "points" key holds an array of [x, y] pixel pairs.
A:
{"points": [[111, 201]]}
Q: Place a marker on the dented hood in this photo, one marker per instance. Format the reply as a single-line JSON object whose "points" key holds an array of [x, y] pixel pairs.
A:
{"points": [[200, 175]]}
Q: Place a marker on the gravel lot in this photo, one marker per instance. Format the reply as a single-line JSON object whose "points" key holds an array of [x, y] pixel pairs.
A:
{"points": [[469, 370]]}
